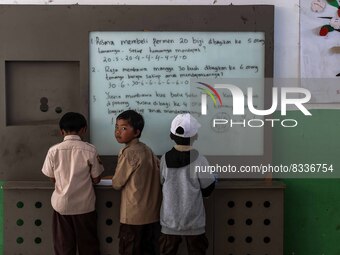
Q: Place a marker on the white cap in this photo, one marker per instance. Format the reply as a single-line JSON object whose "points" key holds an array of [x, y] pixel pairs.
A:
{"points": [[189, 124]]}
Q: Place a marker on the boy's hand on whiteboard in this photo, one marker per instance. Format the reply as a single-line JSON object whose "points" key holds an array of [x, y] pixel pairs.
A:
{"points": [[106, 181]]}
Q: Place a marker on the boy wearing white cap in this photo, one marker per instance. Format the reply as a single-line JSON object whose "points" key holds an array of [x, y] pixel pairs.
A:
{"points": [[182, 210]]}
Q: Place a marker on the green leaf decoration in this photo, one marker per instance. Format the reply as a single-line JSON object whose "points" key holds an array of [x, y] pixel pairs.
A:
{"points": [[333, 3], [329, 27]]}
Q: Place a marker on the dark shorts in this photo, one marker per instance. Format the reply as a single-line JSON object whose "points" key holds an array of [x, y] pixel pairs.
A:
{"points": [[197, 245], [139, 239], [72, 232]]}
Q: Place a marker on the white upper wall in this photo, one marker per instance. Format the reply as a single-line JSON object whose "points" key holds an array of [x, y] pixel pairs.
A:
{"points": [[286, 44]]}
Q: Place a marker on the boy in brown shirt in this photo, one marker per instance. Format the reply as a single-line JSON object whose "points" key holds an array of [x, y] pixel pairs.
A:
{"points": [[137, 175]]}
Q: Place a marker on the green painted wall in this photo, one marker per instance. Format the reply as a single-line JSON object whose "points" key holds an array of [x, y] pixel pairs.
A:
{"points": [[312, 206]]}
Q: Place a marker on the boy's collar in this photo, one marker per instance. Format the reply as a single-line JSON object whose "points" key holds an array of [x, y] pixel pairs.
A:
{"points": [[72, 137], [133, 141]]}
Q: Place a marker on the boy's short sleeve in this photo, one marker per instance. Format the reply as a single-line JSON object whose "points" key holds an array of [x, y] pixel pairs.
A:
{"points": [[48, 166], [97, 166], [126, 165]]}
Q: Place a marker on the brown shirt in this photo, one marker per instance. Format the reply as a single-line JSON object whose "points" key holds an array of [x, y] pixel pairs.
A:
{"points": [[137, 175]]}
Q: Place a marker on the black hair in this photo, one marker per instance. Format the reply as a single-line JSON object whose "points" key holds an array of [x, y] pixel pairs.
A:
{"points": [[182, 140], [72, 122], [135, 120]]}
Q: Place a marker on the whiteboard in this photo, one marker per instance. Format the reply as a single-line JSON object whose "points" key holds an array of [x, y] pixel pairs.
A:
{"points": [[158, 75]]}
